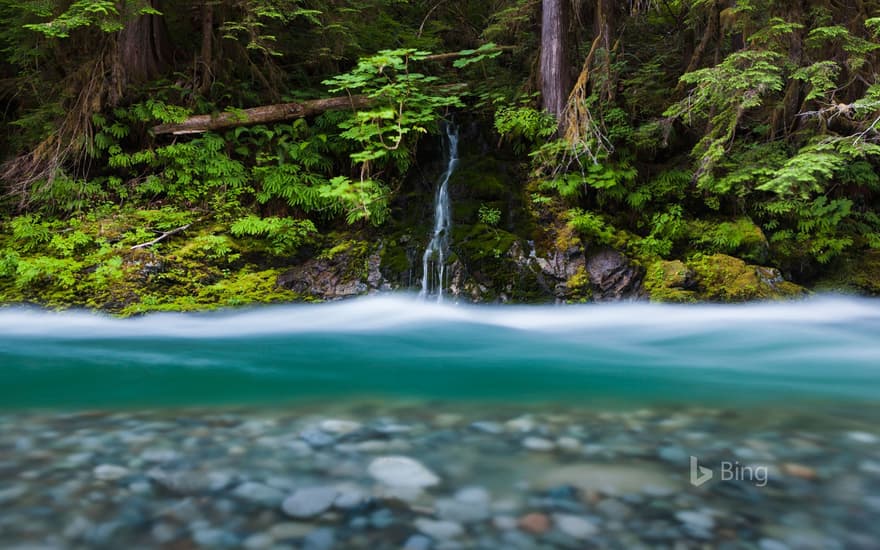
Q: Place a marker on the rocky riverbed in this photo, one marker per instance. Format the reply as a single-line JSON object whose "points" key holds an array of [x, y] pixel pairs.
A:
{"points": [[421, 476]]}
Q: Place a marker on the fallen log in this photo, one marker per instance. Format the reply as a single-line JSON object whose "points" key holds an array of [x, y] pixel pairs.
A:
{"points": [[260, 115], [286, 111]]}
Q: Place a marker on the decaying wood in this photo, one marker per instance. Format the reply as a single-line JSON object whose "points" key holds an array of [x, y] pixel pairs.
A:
{"points": [[260, 115], [280, 112]]}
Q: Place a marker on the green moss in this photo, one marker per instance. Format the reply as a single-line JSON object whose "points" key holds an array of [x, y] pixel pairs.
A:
{"points": [[242, 288], [495, 261], [857, 274], [668, 281], [479, 242], [728, 279], [394, 258], [578, 286], [481, 178]]}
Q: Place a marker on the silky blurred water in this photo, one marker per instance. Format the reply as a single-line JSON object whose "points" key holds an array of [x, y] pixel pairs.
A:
{"points": [[822, 351]]}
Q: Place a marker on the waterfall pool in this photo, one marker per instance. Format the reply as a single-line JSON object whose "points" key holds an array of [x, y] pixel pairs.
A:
{"points": [[391, 422]]}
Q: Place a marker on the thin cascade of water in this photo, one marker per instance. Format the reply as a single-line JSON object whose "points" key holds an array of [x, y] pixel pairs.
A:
{"points": [[434, 259]]}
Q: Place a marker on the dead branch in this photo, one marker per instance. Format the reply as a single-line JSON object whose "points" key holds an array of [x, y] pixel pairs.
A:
{"points": [[162, 237]]}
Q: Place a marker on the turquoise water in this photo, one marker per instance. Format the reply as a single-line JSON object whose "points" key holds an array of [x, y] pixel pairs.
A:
{"points": [[823, 350]]}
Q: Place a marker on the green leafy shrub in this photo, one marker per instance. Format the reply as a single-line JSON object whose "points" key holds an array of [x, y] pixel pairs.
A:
{"points": [[282, 235], [489, 215]]}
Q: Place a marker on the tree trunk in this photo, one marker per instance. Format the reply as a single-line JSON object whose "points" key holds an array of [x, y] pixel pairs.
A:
{"points": [[260, 115], [206, 60], [143, 51], [553, 73]]}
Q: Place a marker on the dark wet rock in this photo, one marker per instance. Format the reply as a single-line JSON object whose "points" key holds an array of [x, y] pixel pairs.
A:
{"points": [[343, 275], [562, 264], [614, 277]]}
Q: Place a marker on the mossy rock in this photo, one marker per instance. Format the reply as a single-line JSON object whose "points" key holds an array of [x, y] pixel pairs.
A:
{"points": [[855, 274], [494, 266], [728, 279], [480, 177], [395, 260], [670, 281], [578, 287], [480, 242]]}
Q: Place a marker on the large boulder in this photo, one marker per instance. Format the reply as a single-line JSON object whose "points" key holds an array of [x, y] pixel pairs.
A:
{"points": [[671, 281], [728, 279], [335, 276], [614, 277]]}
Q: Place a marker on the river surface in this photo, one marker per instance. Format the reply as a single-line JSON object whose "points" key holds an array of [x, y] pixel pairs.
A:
{"points": [[526, 427]]}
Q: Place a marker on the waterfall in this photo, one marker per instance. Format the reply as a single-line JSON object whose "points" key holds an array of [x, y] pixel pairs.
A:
{"points": [[434, 259]]}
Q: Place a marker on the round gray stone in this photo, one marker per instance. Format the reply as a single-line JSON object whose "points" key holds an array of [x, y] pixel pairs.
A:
{"points": [[402, 471], [575, 526], [257, 493], [309, 502], [439, 530]]}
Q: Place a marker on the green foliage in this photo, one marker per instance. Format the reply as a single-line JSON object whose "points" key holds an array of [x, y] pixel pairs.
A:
{"points": [[256, 16], [605, 177], [590, 225], [489, 215], [469, 57], [669, 185], [282, 235], [721, 95], [666, 228], [806, 172], [103, 14], [768, 149], [524, 126], [29, 232], [403, 104], [816, 228]]}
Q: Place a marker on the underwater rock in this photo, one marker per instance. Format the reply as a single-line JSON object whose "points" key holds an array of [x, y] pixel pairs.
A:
{"points": [[401, 471], [440, 530], [309, 502], [575, 526]]}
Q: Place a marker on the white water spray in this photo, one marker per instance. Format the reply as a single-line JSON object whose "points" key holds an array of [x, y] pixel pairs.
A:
{"points": [[434, 259]]}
